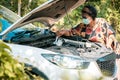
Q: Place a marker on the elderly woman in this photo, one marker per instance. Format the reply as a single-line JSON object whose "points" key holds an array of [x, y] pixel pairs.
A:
{"points": [[95, 30]]}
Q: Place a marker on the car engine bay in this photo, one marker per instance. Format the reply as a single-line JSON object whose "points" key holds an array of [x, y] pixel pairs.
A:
{"points": [[75, 45]]}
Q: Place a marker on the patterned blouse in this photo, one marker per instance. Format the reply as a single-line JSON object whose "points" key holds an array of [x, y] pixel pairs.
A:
{"points": [[102, 33]]}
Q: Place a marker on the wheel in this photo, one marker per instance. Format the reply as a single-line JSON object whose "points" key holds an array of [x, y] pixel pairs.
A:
{"points": [[34, 73]]}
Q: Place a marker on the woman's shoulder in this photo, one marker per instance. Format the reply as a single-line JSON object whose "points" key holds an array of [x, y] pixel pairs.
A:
{"points": [[100, 20]]}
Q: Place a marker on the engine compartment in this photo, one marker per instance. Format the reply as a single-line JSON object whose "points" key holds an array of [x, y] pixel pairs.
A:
{"points": [[75, 45], [83, 49]]}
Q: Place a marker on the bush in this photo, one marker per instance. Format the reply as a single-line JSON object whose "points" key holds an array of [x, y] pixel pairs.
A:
{"points": [[10, 68]]}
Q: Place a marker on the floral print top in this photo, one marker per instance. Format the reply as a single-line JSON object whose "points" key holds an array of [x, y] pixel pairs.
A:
{"points": [[102, 32]]}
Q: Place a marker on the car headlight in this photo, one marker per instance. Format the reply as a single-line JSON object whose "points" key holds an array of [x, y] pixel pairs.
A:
{"points": [[67, 61]]}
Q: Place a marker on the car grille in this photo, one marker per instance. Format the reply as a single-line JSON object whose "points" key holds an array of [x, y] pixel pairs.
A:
{"points": [[107, 67]]}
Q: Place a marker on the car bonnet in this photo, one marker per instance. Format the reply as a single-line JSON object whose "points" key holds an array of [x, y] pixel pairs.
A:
{"points": [[47, 13]]}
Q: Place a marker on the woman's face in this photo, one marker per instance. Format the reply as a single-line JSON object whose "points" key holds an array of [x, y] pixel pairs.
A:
{"points": [[87, 19]]}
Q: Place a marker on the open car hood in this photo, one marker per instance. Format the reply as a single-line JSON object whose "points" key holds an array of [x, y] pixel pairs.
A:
{"points": [[48, 13]]}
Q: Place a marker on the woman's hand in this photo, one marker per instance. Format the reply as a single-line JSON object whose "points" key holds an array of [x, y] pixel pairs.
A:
{"points": [[63, 32], [60, 33]]}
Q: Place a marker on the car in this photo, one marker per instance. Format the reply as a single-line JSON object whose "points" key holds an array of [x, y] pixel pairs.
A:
{"points": [[52, 57]]}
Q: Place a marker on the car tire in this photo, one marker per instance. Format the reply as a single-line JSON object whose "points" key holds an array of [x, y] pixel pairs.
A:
{"points": [[34, 71]]}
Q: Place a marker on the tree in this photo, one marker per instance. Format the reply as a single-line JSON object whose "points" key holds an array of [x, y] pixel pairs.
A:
{"points": [[21, 7]]}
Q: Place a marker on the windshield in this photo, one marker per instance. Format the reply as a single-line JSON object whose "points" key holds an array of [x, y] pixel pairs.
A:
{"points": [[6, 22]]}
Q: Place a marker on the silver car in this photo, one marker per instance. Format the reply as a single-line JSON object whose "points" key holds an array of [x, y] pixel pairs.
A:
{"points": [[53, 58]]}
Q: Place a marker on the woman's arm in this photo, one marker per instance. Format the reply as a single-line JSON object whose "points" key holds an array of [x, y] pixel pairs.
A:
{"points": [[74, 31], [64, 33]]}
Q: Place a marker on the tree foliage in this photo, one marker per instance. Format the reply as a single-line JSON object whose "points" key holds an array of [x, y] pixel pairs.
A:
{"points": [[10, 68], [26, 5]]}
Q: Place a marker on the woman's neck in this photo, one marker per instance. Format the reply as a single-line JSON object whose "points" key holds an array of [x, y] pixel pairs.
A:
{"points": [[92, 24]]}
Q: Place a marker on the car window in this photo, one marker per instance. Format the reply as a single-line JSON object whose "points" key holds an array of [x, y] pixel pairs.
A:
{"points": [[4, 23]]}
